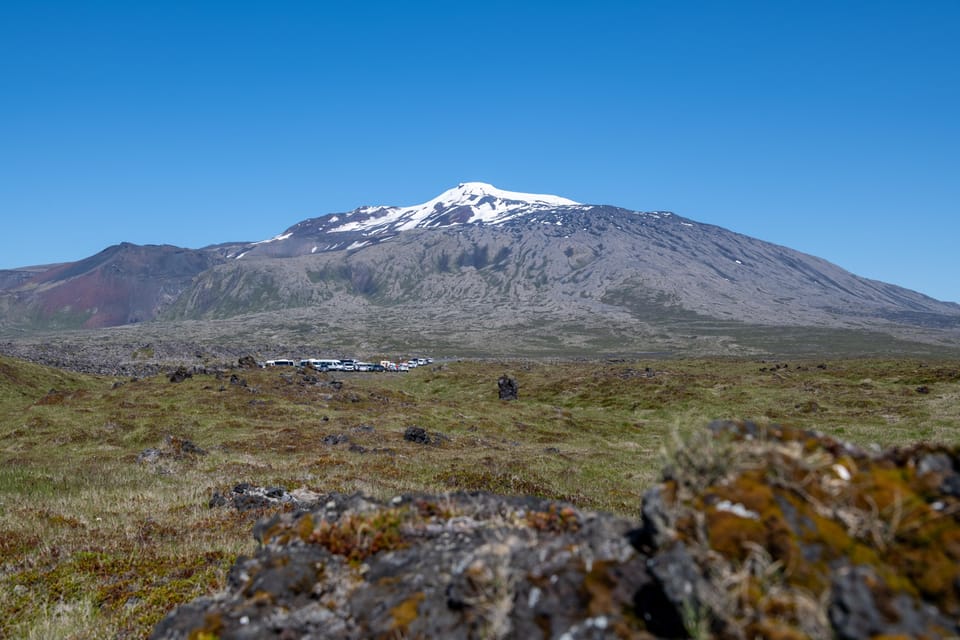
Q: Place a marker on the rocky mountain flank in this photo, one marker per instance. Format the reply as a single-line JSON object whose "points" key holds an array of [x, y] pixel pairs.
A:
{"points": [[753, 532], [477, 259]]}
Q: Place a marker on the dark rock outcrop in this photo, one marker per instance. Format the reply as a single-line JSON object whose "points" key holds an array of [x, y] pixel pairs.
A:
{"points": [[180, 374], [753, 532], [457, 566], [175, 448], [795, 534], [247, 497], [507, 388], [419, 435]]}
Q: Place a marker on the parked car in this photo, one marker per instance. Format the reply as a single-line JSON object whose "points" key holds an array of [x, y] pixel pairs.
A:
{"points": [[328, 364]]}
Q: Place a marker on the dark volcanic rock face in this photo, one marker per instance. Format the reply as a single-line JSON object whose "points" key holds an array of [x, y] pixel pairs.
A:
{"points": [[459, 566], [755, 532]]}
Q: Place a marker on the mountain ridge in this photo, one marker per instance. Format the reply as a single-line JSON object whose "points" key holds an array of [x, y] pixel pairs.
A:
{"points": [[507, 261]]}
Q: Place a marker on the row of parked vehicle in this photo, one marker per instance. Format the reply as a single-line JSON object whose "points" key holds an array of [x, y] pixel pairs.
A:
{"points": [[348, 364]]}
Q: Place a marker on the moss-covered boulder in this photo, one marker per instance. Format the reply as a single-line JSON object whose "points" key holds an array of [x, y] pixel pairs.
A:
{"points": [[795, 534]]}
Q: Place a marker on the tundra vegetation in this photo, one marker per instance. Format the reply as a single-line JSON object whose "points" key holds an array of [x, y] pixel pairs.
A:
{"points": [[105, 483]]}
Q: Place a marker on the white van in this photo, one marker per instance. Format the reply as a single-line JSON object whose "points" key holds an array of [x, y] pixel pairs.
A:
{"points": [[327, 364]]}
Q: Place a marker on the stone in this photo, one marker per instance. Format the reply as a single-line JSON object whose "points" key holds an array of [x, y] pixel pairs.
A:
{"points": [[179, 375], [418, 435], [508, 388], [149, 456], [862, 605], [453, 566]]}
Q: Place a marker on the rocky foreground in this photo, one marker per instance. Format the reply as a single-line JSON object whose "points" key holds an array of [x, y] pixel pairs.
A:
{"points": [[753, 532]]}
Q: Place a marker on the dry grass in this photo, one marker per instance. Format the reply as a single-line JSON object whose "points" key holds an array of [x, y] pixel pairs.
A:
{"points": [[95, 544]]}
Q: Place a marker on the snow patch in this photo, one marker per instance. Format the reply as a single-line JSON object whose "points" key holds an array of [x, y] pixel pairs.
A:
{"points": [[282, 236]]}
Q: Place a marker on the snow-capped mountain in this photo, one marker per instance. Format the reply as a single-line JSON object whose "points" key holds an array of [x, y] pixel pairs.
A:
{"points": [[467, 203], [497, 271]]}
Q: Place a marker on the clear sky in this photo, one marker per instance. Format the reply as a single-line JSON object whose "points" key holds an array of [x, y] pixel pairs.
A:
{"points": [[829, 127]]}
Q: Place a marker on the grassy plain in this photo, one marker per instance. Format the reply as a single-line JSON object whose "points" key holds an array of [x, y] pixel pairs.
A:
{"points": [[97, 544]]}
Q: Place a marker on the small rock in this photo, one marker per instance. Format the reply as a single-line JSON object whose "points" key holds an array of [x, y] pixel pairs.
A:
{"points": [[416, 434], [508, 388], [217, 500], [422, 436], [180, 375], [149, 456]]}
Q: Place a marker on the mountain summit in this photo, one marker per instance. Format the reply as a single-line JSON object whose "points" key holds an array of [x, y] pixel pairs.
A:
{"points": [[466, 203]]}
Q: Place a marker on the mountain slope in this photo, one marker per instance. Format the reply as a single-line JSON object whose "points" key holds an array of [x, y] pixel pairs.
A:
{"points": [[603, 258], [122, 284]]}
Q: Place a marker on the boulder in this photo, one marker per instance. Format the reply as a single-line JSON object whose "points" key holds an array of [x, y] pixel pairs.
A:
{"points": [[508, 388], [768, 531], [180, 374], [419, 435], [416, 434], [246, 497], [453, 566]]}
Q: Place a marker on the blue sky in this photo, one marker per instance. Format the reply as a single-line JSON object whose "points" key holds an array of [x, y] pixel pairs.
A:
{"points": [[829, 127]]}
